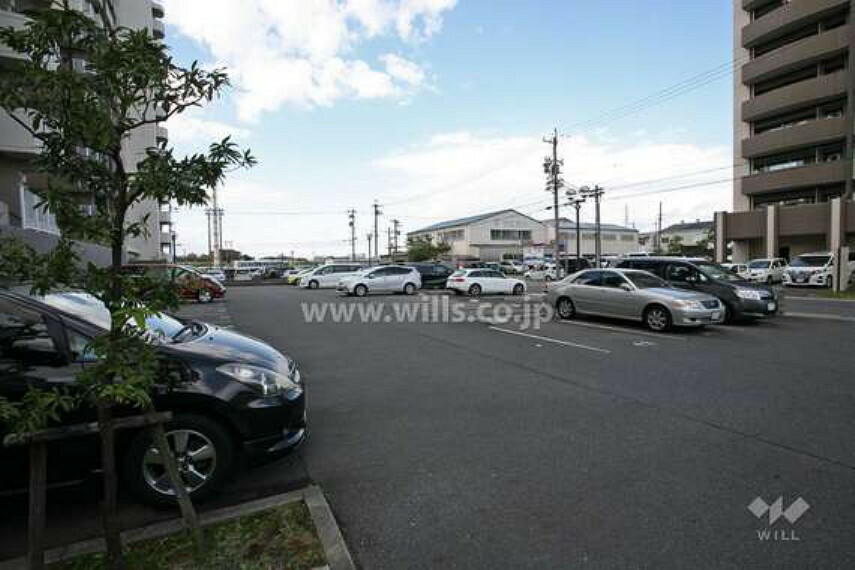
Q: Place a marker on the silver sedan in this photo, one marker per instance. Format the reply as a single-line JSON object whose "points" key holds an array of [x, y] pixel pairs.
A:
{"points": [[634, 295]]}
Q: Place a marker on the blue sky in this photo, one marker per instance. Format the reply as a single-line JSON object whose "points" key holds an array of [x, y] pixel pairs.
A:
{"points": [[459, 132]]}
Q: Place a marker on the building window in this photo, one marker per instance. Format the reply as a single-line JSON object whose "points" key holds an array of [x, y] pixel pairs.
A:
{"points": [[166, 248], [165, 227], [35, 217], [510, 235], [453, 235], [761, 11], [627, 237]]}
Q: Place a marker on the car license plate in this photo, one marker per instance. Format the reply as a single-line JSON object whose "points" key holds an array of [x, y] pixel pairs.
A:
{"points": [[716, 315], [771, 306]]}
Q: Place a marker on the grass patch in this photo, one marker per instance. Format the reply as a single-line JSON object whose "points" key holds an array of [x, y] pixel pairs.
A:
{"points": [[281, 538]]}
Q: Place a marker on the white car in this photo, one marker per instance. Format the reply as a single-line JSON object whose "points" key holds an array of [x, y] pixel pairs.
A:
{"points": [[512, 267], [214, 273], [328, 276], [767, 271], [814, 269], [477, 282], [545, 273], [382, 279], [740, 269]]}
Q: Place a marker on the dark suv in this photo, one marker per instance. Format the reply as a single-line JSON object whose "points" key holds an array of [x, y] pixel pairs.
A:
{"points": [[231, 396], [434, 275], [741, 298]]}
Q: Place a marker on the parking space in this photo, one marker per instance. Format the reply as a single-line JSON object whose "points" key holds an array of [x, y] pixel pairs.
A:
{"points": [[497, 440]]}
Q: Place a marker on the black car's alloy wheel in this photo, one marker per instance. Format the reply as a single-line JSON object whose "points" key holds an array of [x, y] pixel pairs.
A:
{"points": [[204, 453]]}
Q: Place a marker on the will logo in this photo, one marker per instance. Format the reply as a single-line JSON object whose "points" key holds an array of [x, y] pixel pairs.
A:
{"points": [[776, 511]]}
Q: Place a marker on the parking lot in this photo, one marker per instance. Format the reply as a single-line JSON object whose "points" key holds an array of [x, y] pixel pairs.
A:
{"points": [[586, 442]]}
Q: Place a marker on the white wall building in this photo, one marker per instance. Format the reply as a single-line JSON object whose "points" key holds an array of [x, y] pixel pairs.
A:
{"points": [[18, 147], [492, 236], [615, 240]]}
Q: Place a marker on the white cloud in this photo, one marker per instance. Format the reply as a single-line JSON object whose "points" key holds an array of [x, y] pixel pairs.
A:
{"points": [[460, 173], [186, 129], [300, 52], [404, 70]]}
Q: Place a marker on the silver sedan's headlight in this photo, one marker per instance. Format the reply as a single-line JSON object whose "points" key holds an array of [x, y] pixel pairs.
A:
{"points": [[269, 382], [752, 294], [690, 304]]}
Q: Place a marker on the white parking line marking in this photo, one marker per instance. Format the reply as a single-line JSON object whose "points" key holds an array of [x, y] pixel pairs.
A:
{"points": [[623, 330], [818, 299], [552, 340], [819, 316]]}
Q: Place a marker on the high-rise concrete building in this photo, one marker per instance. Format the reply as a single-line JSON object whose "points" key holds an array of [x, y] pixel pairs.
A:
{"points": [[793, 129], [18, 214]]}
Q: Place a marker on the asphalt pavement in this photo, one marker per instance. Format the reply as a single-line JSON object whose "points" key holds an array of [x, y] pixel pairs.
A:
{"points": [[590, 443]]}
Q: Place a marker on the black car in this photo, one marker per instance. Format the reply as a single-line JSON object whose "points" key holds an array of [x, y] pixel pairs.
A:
{"points": [[741, 298], [572, 265], [232, 397], [434, 275]]}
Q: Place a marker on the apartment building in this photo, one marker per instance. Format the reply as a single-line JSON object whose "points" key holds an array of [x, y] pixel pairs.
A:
{"points": [[793, 129], [18, 214]]}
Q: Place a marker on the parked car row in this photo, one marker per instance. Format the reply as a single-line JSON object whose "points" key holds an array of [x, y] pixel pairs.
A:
{"points": [[663, 292]]}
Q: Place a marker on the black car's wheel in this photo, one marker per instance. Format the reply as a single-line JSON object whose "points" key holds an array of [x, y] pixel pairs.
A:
{"points": [[657, 318], [475, 290], [314, 284], [204, 295], [360, 290], [409, 289], [204, 452], [519, 289], [565, 308]]}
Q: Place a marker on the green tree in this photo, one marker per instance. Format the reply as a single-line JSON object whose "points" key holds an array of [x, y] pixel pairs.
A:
{"points": [[423, 249], [82, 119], [675, 245]]}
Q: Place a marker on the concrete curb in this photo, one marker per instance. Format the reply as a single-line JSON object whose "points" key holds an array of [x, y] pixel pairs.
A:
{"points": [[335, 549]]}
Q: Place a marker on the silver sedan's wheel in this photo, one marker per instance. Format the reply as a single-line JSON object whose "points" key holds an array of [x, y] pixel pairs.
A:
{"points": [[409, 289], [196, 458], [360, 290], [657, 318], [565, 308]]}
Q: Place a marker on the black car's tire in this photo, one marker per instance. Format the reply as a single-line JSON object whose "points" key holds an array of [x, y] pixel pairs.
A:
{"points": [[519, 289], [314, 284], [475, 290], [212, 445], [409, 289], [204, 295], [657, 318], [360, 290], [565, 309]]}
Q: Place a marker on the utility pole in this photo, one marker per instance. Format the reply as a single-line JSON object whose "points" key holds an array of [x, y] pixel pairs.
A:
{"points": [[369, 235], [389, 243], [351, 214], [596, 193], [216, 239], [377, 213], [396, 234], [552, 169], [575, 199], [658, 241]]}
